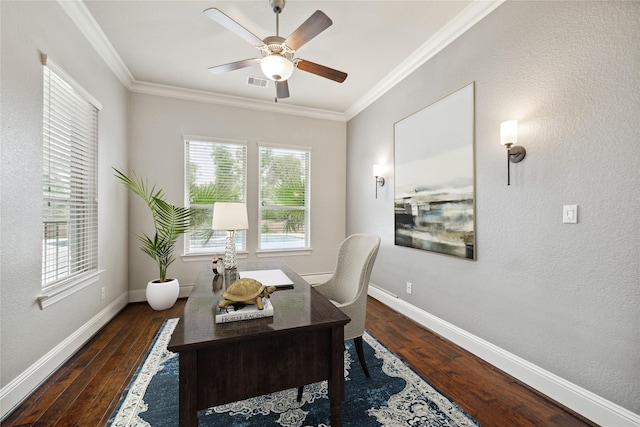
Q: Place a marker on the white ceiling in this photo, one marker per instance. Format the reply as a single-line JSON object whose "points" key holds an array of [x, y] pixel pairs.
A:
{"points": [[169, 45]]}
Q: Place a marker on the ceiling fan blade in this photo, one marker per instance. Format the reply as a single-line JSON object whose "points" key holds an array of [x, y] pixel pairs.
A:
{"points": [[282, 89], [317, 23], [321, 70], [219, 69], [233, 26]]}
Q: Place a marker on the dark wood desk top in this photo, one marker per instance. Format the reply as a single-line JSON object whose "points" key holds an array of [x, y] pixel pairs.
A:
{"points": [[300, 308]]}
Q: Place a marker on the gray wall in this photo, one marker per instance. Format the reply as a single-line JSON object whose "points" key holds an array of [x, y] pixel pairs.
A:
{"points": [[139, 132], [28, 333], [564, 297], [157, 127]]}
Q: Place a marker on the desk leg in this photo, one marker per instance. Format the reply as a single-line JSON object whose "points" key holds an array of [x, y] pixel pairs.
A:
{"points": [[188, 389], [336, 382]]}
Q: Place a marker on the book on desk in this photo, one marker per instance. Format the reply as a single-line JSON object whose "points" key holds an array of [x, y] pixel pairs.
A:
{"points": [[238, 312]]}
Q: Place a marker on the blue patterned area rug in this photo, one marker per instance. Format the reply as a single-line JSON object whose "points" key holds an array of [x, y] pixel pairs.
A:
{"points": [[393, 396]]}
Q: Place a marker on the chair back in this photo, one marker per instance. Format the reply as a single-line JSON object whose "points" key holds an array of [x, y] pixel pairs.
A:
{"points": [[356, 256]]}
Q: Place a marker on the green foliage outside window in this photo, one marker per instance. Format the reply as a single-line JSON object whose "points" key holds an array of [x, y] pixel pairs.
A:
{"points": [[215, 173], [283, 191]]}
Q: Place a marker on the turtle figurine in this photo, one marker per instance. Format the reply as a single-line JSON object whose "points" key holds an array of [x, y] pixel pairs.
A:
{"points": [[246, 291]]}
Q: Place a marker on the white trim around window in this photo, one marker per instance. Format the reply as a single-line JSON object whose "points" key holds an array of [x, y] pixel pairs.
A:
{"points": [[284, 212], [70, 186]]}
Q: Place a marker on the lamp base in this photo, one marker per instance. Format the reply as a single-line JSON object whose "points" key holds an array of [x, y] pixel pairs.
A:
{"points": [[230, 258]]}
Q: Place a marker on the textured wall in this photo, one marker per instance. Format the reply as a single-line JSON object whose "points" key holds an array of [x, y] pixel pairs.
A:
{"points": [[564, 297], [157, 127], [28, 333]]}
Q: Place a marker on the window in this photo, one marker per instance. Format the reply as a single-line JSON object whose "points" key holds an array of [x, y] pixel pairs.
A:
{"points": [[216, 171], [284, 198], [70, 180]]}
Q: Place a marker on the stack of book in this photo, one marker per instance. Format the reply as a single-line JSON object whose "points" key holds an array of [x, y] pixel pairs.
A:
{"points": [[234, 313]]}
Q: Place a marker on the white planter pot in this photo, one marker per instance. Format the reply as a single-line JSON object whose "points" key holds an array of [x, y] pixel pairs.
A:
{"points": [[162, 295]]}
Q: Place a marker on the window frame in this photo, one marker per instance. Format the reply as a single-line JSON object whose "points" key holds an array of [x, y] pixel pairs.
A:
{"points": [[306, 248], [70, 185], [240, 235]]}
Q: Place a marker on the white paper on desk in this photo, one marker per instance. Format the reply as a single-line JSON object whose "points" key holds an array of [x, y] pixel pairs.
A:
{"points": [[268, 277]]}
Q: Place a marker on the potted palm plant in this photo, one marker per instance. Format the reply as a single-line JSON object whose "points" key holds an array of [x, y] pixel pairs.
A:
{"points": [[169, 223]]}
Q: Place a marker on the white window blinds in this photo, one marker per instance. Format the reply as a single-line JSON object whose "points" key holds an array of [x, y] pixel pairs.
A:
{"points": [[70, 181], [284, 198], [215, 172]]}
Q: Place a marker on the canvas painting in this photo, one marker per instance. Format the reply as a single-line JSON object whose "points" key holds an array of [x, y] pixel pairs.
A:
{"points": [[434, 197]]}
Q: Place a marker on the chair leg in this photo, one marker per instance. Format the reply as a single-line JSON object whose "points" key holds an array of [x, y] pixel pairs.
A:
{"points": [[358, 342], [299, 398]]}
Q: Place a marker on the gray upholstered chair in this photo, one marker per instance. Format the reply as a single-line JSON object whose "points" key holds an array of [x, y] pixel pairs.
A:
{"points": [[348, 286]]}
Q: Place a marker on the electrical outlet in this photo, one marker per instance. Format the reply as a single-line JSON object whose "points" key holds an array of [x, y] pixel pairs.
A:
{"points": [[409, 287], [102, 293]]}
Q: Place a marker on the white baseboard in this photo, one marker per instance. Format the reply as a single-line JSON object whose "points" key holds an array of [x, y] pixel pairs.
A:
{"points": [[140, 295], [21, 387], [576, 398]]}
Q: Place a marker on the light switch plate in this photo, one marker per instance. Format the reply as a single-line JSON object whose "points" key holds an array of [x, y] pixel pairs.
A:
{"points": [[570, 214]]}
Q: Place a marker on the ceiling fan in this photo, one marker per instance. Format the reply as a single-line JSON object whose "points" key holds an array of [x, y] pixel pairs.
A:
{"points": [[277, 61]]}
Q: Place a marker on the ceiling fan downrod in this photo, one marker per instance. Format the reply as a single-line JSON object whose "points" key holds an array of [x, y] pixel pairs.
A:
{"points": [[277, 6]]}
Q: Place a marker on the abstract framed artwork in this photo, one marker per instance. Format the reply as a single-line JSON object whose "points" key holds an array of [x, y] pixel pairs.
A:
{"points": [[434, 194]]}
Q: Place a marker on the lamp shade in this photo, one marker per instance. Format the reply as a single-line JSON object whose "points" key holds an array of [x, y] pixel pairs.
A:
{"points": [[377, 170], [230, 216], [509, 132], [276, 67]]}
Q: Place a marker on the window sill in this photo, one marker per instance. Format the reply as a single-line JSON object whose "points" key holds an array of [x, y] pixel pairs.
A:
{"points": [[199, 257], [59, 292], [283, 252]]}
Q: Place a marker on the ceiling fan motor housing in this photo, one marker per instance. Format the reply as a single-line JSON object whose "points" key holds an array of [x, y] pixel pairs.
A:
{"points": [[276, 45]]}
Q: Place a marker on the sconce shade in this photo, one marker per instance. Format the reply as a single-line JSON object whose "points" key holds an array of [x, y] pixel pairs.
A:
{"points": [[230, 216], [276, 67], [509, 132]]}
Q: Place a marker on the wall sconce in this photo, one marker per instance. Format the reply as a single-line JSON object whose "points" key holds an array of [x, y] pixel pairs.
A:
{"points": [[508, 137], [230, 217], [377, 172]]}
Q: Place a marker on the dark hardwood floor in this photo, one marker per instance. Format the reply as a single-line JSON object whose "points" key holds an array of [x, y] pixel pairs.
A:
{"points": [[484, 392], [86, 389]]}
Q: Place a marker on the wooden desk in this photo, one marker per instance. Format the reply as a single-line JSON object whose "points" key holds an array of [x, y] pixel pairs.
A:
{"points": [[221, 363]]}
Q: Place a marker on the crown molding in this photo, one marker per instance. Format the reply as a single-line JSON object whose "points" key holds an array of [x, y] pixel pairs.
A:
{"points": [[82, 18], [233, 101], [466, 19], [86, 23]]}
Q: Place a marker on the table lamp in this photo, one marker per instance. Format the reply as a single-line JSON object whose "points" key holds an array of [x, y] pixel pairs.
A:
{"points": [[230, 217]]}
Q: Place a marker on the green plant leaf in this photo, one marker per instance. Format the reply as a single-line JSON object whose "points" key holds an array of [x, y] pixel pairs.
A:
{"points": [[169, 221]]}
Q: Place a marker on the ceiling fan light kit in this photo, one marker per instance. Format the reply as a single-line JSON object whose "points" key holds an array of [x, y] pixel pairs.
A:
{"points": [[277, 62], [276, 67]]}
